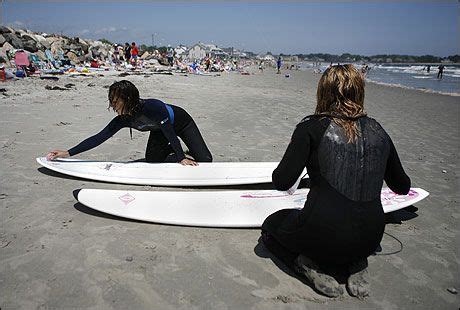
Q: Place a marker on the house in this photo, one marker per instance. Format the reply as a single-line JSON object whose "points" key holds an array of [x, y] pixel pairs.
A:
{"points": [[197, 51], [180, 51], [201, 50], [228, 51], [216, 52]]}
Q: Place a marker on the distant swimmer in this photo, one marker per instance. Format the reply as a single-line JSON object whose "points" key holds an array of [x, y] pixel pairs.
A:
{"points": [[428, 68], [440, 71]]}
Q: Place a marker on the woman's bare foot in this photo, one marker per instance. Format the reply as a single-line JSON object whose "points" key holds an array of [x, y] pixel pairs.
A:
{"points": [[358, 283], [324, 283]]}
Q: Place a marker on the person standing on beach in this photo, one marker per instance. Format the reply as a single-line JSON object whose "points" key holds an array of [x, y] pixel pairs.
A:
{"points": [[261, 66], [127, 51], [348, 156], [170, 55], [440, 71], [165, 123], [278, 65], [134, 53]]}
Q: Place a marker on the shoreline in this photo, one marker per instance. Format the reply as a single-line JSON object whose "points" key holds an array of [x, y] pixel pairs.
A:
{"points": [[430, 91]]}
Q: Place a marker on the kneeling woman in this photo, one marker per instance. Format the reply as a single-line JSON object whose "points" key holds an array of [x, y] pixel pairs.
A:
{"points": [[165, 122], [348, 156]]}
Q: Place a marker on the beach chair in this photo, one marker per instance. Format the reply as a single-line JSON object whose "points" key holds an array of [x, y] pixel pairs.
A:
{"points": [[21, 60]]}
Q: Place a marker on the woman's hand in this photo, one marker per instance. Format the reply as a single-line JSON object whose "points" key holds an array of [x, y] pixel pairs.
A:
{"points": [[57, 154], [188, 162]]}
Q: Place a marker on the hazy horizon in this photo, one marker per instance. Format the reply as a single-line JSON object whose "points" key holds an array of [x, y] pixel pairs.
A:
{"points": [[414, 28]]}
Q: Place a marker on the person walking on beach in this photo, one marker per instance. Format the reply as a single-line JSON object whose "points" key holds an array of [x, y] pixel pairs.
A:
{"points": [[165, 123], [348, 156], [440, 71], [278, 65], [127, 51]]}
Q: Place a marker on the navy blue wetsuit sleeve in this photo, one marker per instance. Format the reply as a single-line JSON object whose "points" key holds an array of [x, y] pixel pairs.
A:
{"points": [[112, 128], [395, 177], [160, 114], [294, 159]]}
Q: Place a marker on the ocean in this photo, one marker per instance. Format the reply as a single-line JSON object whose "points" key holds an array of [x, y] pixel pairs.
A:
{"points": [[411, 76]]}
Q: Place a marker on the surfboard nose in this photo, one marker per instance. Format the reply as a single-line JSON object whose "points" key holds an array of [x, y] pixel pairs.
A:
{"points": [[76, 192]]}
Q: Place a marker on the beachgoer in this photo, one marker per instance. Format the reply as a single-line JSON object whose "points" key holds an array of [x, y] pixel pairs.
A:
{"points": [[134, 54], [364, 70], [116, 55], [127, 51], [440, 71], [165, 123], [278, 65], [261, 66], [170, 55], [348, 156], [428, 68], [207, 63], [94, 63]]}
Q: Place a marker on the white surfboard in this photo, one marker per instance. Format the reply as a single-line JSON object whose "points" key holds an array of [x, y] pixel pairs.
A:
{"points": [[165, 174], [214, 208]]}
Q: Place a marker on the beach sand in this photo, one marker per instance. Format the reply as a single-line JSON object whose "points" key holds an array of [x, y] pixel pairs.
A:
{"points": [[57, 254]]}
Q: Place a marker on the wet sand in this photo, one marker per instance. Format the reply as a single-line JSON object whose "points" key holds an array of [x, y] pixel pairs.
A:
{"points": [[57, 254]]}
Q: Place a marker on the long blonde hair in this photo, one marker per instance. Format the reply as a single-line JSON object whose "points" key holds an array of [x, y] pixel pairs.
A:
{"points": [[340, 95]]}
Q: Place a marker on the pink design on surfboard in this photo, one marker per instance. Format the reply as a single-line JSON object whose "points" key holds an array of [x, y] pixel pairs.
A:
{"points": [[267, 196], [126, 199], [389, 197]]}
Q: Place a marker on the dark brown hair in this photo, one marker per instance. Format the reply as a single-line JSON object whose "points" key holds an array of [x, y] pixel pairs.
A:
{"points": [[340, 95], [127, 94]]}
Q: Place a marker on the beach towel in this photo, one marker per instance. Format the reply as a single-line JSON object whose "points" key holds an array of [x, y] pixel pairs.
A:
{"points": [[51, 58]]}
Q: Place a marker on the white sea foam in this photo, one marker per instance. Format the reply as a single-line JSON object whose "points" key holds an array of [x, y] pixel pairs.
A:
{"points": [[414, 88]]}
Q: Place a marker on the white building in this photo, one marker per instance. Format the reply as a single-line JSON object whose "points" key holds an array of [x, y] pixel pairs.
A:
{"points": [[180, 51], [197, 52], [201, 50]]}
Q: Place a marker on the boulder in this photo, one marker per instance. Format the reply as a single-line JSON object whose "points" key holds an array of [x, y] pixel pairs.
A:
{"points": [[73, 58], [7, 52], [4, 30], [13, 40], [30, 46], [41, 55], [28, 37], [2, 39], [56, 48], [42, 40], [52, 39]]}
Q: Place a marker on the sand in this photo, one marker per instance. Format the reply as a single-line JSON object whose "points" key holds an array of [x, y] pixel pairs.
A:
{"points": [[57, 254]]}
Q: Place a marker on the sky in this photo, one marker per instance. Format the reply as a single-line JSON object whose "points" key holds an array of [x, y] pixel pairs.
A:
{"points": [[292, 27]]}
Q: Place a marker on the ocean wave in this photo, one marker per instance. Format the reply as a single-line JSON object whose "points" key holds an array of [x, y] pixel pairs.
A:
{"points": [[421, 77], [414, 88]]}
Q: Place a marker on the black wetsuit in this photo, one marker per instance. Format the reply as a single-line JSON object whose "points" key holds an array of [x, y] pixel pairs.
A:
{"points": [[342, 220], [165, 123]]}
